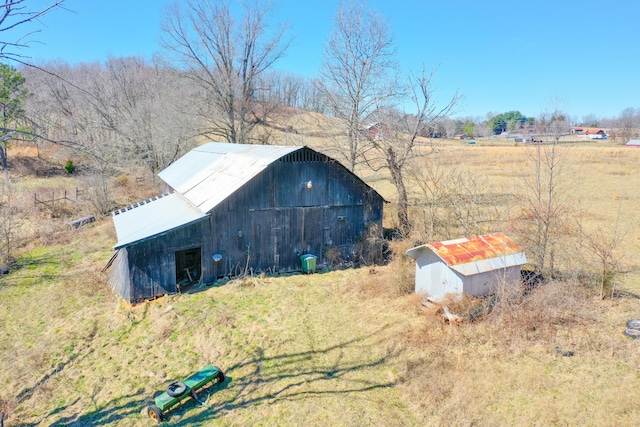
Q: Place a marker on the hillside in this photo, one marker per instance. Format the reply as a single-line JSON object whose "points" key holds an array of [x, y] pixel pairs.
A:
{"points": [[342, 347]]}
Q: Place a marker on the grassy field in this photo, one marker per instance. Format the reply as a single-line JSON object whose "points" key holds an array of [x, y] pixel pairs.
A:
{"points": [[345, 347]]}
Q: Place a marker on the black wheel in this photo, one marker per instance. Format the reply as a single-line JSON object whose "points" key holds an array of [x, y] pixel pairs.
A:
{"points": [[154, 413], [177, 389], [633, 324], [220, 377], [632, 333]]}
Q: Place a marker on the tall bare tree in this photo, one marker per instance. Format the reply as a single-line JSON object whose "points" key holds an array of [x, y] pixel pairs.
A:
{"points": [[546, 203], [358, 72], [225, 59], [403, 135]]}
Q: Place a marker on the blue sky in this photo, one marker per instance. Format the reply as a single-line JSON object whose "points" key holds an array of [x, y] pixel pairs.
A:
{"points": [[502, 55]]}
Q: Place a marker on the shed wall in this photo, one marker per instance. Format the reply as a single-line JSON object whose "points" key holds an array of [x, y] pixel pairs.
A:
{"points": [[119, 278], [434, 277], [486, 283]]}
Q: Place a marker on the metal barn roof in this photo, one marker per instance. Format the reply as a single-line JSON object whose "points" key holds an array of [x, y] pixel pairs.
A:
{"points": [[212, 172], [633, 143], [154, 216], [476, 254]]}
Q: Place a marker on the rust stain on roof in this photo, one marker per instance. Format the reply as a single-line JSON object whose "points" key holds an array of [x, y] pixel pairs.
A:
{"points": [[462, 251]]}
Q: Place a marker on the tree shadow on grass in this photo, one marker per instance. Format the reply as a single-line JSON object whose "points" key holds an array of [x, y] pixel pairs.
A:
{"points": [[107, 415], [296, 376], [283, 377], [19, 271]]}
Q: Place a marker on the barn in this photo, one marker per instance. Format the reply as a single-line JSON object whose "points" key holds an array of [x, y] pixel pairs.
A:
{"points": [[474, 266], [233, 208]]}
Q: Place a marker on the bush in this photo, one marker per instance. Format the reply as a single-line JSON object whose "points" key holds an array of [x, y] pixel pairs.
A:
{"points": [[372, 249], [69, 167]]}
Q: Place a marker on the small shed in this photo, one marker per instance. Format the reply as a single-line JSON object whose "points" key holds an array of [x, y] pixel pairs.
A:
{"points": [[472, 265], [633, 143]]}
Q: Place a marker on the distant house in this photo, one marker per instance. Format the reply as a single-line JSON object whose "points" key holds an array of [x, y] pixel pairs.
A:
{"points": [[577, 131], [474, 266], [377, 131], [633, 143], [235, 208], [595, 133]]}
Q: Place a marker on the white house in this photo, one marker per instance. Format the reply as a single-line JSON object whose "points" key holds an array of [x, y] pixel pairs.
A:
{"points": [[472, 265]]}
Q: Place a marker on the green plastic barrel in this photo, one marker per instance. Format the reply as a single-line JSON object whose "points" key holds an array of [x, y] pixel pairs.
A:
{"points": [[308, 263]]}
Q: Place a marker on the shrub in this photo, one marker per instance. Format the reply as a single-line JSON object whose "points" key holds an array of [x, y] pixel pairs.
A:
{"points": [[69, 167]]}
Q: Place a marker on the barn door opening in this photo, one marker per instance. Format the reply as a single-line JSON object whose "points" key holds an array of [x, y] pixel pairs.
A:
{"points": [[188, 268]]}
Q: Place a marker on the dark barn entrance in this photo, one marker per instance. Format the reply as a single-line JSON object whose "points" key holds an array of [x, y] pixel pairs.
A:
{"points": [[188, 267]]}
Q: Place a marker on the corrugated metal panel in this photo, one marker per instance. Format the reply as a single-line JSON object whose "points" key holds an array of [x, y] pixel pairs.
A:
{"points": [[491, 264], [152, 217], [209, 174], [476, 254]]}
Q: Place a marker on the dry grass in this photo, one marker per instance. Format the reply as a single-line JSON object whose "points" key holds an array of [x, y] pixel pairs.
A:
{"points": [[344, 347], [341, 347]]}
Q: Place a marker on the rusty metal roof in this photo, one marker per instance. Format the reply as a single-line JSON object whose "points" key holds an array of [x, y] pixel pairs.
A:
{"points": [[212, 172], [476, 254]]}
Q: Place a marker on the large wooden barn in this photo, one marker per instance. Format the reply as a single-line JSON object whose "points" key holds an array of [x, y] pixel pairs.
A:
{"points": [[233, 208]]}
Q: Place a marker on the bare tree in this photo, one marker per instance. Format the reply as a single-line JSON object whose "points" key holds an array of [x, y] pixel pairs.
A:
{"points": [[18, 14], [546, 203], [394, 149], [358, 72], [603, 243], [9, 220], [225, 59], [430, 177], [628, 124], [454, 202]]}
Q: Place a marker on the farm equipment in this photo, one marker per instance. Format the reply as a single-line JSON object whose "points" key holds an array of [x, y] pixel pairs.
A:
{"points": [[179, 391]]}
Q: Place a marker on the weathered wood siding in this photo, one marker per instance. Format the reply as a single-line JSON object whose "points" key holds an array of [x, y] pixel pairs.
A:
{"points": [[152, 264], [276, 217]]}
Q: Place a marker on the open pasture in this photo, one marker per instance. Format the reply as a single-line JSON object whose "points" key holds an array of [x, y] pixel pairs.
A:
{"points": [[345, 347]]}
